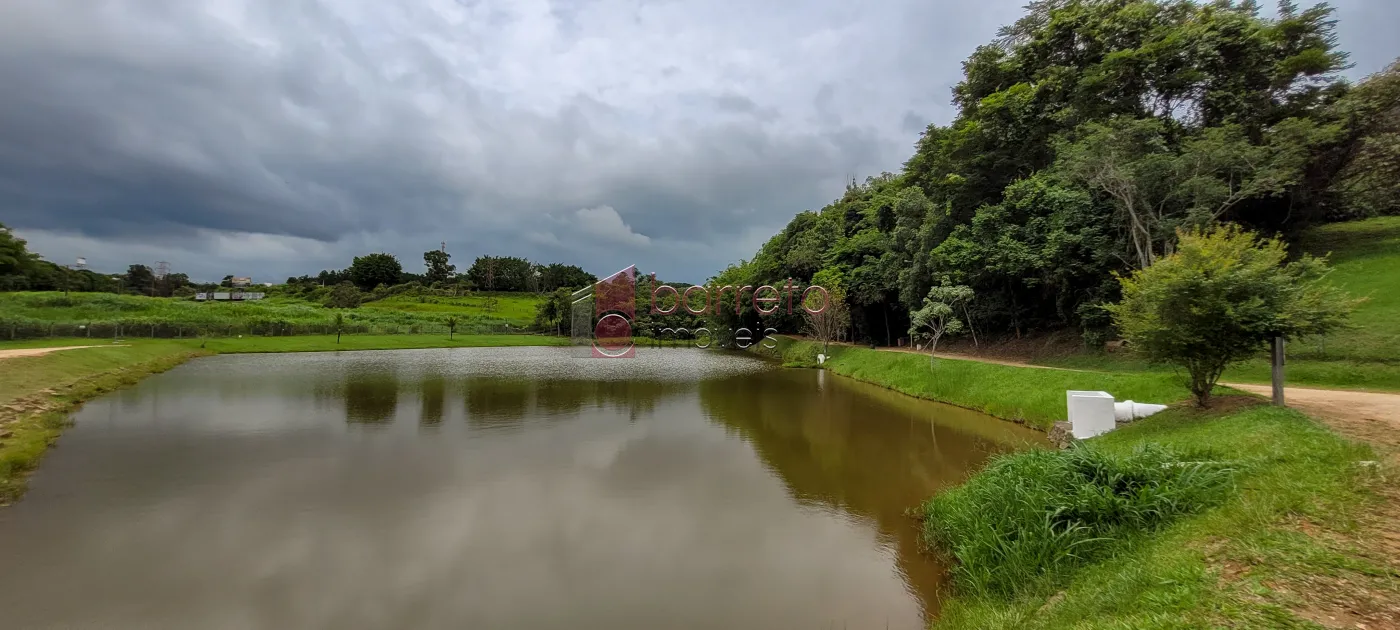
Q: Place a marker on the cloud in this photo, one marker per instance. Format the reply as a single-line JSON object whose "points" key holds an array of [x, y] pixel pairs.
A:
{"points": [[142, 130]]}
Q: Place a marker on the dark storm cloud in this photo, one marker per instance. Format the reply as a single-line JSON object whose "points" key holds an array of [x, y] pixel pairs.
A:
{"points": [[283, 137]]}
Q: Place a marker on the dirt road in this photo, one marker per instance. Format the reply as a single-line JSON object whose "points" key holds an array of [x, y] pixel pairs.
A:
{"points": [[1363, 415], [35, 352]]}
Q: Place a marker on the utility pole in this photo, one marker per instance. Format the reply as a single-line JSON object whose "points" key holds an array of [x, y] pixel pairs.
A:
{"points": [[1278, 371]]}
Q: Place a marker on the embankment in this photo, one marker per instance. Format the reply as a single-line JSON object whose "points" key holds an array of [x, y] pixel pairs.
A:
{"points": [[1245, 515], [38, 392]]}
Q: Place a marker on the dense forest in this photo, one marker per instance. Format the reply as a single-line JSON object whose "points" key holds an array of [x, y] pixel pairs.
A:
{"points": [[1087, 133]]}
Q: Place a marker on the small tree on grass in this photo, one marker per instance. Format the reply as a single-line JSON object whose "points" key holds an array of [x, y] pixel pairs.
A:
{"points": [[1221, 298], [339, 325], [831, 321], [451, 326], [938, 316]]}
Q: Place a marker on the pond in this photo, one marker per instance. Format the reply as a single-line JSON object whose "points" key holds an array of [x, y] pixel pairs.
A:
{"points": [[489, 488]]}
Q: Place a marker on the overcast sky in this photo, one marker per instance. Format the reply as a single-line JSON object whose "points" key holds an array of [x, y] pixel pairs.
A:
{"points": [[280, 137]]}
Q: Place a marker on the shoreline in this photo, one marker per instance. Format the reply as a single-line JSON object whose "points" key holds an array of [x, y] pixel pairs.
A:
{"points": [[32, 422], [42, 387]]}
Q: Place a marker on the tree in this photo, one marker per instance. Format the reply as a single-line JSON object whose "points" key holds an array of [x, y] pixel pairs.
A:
{"points": [[451, 326], [344, 295], [226, 282], [372, 270], [938, 316], [140, 278], [339, 325], [556, 275], [1157, 188], [438, 268], [501, 273], [15, 258], [1222, 297], [551, 312], [832, 321], [1368, 181]]}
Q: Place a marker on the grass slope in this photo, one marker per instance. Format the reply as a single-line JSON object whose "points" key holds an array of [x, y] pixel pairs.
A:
{"points": [[1287, 531], [1033, 396], [37, 394], [1366, 262]]}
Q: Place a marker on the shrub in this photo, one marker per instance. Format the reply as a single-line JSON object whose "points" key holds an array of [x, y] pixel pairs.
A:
{"points": [[1030, 517], [1221, 298]]}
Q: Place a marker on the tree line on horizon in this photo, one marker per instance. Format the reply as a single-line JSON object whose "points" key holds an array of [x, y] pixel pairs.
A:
{"points": [[23, 270], [1088, 134]]}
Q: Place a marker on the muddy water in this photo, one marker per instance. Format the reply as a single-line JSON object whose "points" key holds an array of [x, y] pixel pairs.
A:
{"points": [[488, 488]]}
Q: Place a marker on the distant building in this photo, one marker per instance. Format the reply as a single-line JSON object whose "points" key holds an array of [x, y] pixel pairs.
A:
{"points": [[242, 282], [237, 296]]}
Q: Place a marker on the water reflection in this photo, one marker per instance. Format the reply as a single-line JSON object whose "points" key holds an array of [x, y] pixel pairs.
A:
{"points": [[852, 448], [681, 490]]}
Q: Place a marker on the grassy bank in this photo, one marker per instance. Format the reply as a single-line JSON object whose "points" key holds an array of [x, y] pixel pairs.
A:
{"points": [[1242, 516], [38, 393], [327, 343], [1270, 552], [1033, 396]]}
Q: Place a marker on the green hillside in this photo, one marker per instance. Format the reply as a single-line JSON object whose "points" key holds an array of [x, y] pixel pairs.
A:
{"points": [[1366, 260]]}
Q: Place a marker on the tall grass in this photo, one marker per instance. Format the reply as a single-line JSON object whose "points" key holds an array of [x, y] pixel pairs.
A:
{"points": [[1030, 518]]}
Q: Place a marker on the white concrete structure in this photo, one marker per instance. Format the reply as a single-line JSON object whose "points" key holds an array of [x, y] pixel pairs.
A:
{"points": [[1090, 413]]}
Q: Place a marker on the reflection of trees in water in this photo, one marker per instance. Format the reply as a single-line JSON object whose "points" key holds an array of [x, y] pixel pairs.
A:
{"points": [[849, 450], [499, 401], [432, 391], [371, 396]]}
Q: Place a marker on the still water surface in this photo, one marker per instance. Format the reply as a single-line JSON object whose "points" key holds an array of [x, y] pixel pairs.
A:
{"points": [[489, 488]]}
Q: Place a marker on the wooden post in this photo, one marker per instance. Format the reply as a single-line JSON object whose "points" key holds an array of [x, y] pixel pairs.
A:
{"points": [[1278, 371]]}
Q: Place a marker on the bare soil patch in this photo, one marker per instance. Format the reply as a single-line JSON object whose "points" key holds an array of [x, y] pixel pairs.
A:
{"points": [[36, 352]]}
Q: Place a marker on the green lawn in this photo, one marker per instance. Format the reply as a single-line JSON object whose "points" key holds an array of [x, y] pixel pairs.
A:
{"points": [[1366, 262], [1033, 396]]}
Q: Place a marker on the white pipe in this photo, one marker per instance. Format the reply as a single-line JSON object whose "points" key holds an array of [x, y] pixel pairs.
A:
{"points": [[1129, 410]]}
